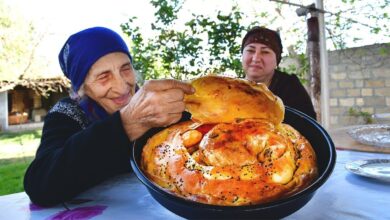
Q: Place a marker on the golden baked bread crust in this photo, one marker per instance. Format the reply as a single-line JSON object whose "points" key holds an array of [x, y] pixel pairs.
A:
{"points": [[240, 163], [235, 150], [222, 99]]}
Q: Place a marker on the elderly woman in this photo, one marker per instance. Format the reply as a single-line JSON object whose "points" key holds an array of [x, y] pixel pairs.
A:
{"points": [[261, 54], [87, 138]]}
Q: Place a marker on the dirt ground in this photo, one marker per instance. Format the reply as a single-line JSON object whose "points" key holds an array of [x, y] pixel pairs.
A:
{"points": [[11, 151]]}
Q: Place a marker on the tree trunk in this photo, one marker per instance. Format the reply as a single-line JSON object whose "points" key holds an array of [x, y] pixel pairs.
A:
{"points": [[313, 52]]}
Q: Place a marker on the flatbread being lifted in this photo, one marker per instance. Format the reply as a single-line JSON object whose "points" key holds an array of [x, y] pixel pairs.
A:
{"points": [[221, 99]]}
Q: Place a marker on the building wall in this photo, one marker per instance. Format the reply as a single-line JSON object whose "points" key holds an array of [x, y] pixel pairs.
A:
{"points": [[359, 78], [3, 111], [23, 109]]}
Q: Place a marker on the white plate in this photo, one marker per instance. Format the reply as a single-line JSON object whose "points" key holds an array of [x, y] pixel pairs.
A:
{"points": [[374, 168], [382, 118], [375, 134]]}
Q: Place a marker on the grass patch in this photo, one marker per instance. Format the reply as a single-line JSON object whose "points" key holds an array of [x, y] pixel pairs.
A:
{"points": [[19, 146], [19, 137], [12, 174]]}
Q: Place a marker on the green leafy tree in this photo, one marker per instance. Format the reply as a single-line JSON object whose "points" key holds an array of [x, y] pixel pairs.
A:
{"points": [[18, 43], [205, 45], [354, 20], [211, 44]]}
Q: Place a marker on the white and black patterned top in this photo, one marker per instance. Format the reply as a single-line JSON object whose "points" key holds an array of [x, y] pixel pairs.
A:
{"points": [[70, 108]]}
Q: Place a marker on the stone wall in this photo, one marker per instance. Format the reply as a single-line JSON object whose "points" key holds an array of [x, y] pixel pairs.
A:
{"points": [[359, 78]]}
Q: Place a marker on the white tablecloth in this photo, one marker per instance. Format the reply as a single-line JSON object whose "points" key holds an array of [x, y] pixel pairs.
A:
{"points": [[343, 196]]}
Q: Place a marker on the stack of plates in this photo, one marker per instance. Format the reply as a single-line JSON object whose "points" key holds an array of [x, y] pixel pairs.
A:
{"points": [[374, 134]]}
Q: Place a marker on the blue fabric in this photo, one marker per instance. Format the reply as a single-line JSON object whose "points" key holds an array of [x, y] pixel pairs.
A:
{"points": [[92, 110], [84, 48], [80, 52]]}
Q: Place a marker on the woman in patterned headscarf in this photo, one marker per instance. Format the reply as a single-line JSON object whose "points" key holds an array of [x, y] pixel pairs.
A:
{"points": [[87, 138], [261, 54]]}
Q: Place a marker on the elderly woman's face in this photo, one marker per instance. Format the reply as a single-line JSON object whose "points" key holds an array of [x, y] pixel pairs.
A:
{"points": [[258, 62], [111, 81]]}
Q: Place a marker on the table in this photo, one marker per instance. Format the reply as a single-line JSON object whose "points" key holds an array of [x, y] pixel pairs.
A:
{"points": [[343, 196]]}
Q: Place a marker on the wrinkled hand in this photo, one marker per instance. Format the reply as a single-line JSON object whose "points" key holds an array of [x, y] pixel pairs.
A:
{"points": [[158, 103]]}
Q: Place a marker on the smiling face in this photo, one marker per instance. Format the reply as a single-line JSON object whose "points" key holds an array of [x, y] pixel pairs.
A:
{"points": [[259, 62], [111, 81]]}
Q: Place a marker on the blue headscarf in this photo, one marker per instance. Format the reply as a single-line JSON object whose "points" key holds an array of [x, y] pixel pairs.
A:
{"points": [[80, 52]]}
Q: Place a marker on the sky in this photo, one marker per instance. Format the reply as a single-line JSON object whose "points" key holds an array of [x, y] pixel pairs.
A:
{"points": [[58, 19]]}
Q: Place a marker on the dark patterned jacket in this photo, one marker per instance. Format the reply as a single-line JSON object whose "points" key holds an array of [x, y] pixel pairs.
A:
{"points": [[75, 154]]}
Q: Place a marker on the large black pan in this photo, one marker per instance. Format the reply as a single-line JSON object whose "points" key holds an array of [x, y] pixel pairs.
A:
{"points": [[326, 157]]}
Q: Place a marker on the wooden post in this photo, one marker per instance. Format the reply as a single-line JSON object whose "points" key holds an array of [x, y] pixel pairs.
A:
{"points": [[325, 115], [313, 52]]}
